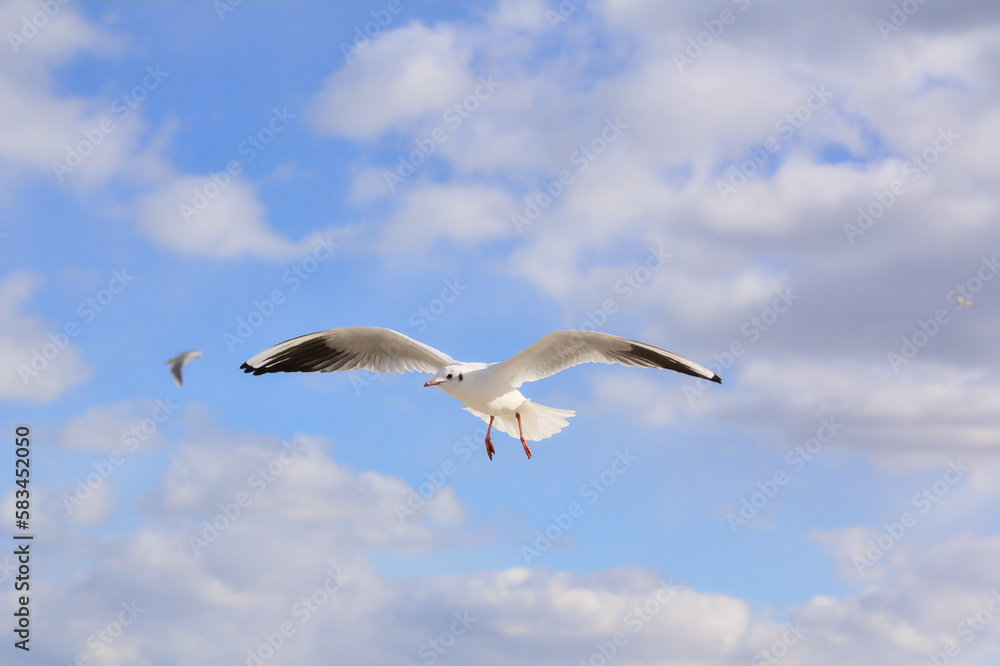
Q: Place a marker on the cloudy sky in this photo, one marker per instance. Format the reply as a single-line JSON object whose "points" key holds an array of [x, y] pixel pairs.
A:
{"points": [[791, 193]]}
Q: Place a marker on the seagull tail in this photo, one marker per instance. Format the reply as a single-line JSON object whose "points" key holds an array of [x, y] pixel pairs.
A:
{"points": [[537, 421]]}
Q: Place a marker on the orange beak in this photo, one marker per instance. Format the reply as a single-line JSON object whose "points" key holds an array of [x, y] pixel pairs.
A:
{"points": [[432, 382]]}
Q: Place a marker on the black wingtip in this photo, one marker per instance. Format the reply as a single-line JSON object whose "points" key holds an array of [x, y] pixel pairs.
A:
{"points": [[246, 368], [717, 379]]}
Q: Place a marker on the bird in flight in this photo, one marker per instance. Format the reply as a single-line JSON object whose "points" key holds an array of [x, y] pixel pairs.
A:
{"points": [[964, 302], [489, 390], [177, 362]]}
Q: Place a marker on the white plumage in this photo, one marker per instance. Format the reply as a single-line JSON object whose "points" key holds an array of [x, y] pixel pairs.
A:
{"points": [[488, 389]]}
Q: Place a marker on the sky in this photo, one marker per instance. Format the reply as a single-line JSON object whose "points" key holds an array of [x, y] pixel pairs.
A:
{"points": [[792, 194]]}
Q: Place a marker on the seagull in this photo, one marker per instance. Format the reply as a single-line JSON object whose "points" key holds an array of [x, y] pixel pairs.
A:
{"points": [[489, 390], [177, 362], [964, 302]]}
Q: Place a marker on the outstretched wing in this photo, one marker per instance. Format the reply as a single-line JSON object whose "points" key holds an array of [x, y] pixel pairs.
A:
{"points": [[175, 371], [564, 349], [177, 363], [380, 350]]}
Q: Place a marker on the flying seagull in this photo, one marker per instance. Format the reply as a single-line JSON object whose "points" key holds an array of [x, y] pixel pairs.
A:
{"points": [[177, 362], [964, 302], [488, 389]]}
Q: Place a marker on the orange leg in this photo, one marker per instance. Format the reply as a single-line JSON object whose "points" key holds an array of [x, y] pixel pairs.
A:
{"points": [[489, 444], [523, 443]]}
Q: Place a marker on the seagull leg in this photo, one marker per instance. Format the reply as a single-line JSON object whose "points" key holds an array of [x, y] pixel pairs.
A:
{"points": [[523, 443], [489, 444]]}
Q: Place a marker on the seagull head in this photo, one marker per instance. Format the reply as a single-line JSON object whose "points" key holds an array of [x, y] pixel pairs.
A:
{"points": [[446, 375]]}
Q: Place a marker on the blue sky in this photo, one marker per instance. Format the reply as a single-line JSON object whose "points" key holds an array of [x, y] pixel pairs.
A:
{"points": [[791, 194]]}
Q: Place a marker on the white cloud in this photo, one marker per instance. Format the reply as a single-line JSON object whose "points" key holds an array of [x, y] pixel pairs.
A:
{"points": [[905, 616], [42, 125], [925, 414], [89, 143], [403, 75], [126, 425], [684, 128], [463, 213], [316, 521], [94, 508], [55, 37], [230, 224], [40, 361]]}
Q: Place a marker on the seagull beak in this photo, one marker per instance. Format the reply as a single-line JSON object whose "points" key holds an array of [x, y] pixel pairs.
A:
{"points": [[432, 382]]}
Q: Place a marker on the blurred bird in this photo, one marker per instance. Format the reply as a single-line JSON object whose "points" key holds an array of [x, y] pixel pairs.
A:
{"points": [[964, 302], [488, 389], [177, 362]]}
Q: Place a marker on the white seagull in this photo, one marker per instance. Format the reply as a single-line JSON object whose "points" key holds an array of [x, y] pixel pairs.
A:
{"points": [[488, 389], [177, 362]]}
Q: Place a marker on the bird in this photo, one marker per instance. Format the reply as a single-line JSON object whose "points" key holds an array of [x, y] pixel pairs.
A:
{"points": [[964, 302], [177, 362], [489, 390]]}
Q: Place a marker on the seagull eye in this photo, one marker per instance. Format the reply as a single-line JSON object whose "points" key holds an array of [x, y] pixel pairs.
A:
{"points": [[449, 376]]}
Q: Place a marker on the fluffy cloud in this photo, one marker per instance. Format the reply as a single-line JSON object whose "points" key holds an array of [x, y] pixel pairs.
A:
{"points": [[128, 424], [401, 76], [39, 359], [926, 414], [841, 136], [229, 224], [92, 143], [89, 139], [289, 535], [466, 214]]}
